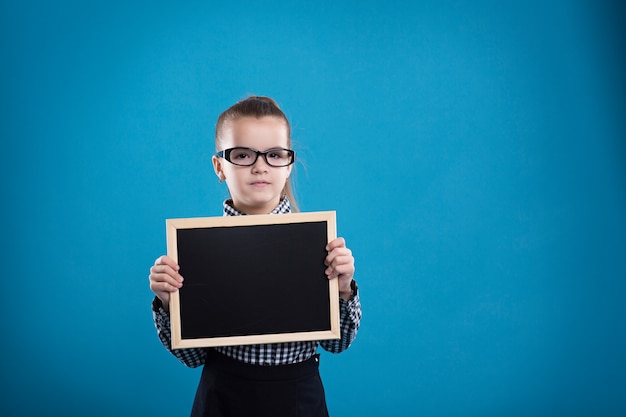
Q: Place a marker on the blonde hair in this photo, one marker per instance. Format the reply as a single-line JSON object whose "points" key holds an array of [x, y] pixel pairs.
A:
{"points": [[256, 106]]}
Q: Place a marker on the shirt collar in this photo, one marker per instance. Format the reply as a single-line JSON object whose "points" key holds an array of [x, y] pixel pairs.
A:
{"points": [[283, 207]]}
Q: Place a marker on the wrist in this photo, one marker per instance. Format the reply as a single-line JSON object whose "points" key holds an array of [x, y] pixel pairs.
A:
{"points": [[158, 303], [350, 292]]}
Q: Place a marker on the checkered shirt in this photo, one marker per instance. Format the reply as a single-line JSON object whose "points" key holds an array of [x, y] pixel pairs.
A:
{"points": [[266, 354]]}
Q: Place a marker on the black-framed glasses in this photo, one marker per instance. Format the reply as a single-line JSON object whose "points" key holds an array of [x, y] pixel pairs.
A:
{"points": [[276, 157]]}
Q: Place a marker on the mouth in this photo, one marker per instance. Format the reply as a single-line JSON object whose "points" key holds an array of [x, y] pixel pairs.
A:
{"points": [[259, 183]]}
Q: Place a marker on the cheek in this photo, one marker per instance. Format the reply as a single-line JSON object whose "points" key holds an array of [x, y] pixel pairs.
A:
{"points": [[285, 175], [233, 174]]}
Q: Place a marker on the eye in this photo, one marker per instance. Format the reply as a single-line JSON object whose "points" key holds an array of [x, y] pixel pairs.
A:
{"points": [[240, 154], [277, 154]]}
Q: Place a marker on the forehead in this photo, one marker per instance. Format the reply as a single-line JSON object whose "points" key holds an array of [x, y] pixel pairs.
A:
{"points": [[259, 133]]}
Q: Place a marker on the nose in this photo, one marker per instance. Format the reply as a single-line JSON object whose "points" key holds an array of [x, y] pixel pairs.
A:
{"points": [[260, 165]]}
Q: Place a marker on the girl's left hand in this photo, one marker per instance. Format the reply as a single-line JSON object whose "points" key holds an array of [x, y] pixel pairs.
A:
{"points": [[340, 263]]}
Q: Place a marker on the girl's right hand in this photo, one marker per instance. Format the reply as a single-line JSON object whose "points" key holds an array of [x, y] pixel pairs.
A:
{"points": [[165, 279]]}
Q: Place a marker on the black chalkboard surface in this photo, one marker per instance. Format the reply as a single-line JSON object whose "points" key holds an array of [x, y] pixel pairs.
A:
{"points": [[252, 279]]}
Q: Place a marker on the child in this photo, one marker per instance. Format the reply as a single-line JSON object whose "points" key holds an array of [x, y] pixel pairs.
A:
{"points": [[253, 140]]}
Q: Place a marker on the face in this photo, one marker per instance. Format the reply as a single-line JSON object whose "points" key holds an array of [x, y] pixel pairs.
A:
{"points": [[254, 189]]}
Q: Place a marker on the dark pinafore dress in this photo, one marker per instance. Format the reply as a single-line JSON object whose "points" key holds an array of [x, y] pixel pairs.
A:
{"points": [[230, 388]]}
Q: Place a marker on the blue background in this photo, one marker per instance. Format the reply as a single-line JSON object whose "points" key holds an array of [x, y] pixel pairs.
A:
{"points": [[474, 152]]}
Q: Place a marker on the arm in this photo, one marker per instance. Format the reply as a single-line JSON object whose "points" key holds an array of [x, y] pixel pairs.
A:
{"points": [[191, 357], [340, 263], [165, 279], [349, 323]]}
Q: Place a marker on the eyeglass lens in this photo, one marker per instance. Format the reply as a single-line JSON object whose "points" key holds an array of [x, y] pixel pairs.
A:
{"points": [[273, 157]]}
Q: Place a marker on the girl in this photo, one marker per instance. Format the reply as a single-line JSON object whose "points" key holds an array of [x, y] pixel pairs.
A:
{"points": [[254, 158]]}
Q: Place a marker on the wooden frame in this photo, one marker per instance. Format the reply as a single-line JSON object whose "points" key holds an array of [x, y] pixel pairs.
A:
{"points": [[252, 279]]}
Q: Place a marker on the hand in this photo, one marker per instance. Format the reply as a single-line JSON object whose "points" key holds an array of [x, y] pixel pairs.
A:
{"points": [[165, 279], [340, 265]]}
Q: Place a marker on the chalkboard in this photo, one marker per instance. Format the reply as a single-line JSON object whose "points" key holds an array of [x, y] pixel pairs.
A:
{"points": [[252, 279]]}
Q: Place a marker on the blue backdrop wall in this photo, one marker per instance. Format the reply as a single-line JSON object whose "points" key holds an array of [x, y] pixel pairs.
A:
{"points": [[474, 152]]}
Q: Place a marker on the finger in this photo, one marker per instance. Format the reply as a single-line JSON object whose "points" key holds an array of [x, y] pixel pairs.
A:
{"points": [[165, 280], [335, 253], [162, 287], [336, 243], [166, 270], [344, 270], [342, 259], [164, 277], [339, 271], [343, 265], [175, 281], [166, 260]]}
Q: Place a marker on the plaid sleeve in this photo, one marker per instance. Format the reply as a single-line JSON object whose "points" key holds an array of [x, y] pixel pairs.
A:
{"points": [[191, 357], [349, 323]]}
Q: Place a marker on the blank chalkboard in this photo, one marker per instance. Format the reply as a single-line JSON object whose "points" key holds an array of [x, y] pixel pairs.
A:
{"points": [[252, 279]]}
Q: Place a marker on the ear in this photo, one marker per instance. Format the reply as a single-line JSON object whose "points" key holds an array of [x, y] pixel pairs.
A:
{"points": [[218, 167]]}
